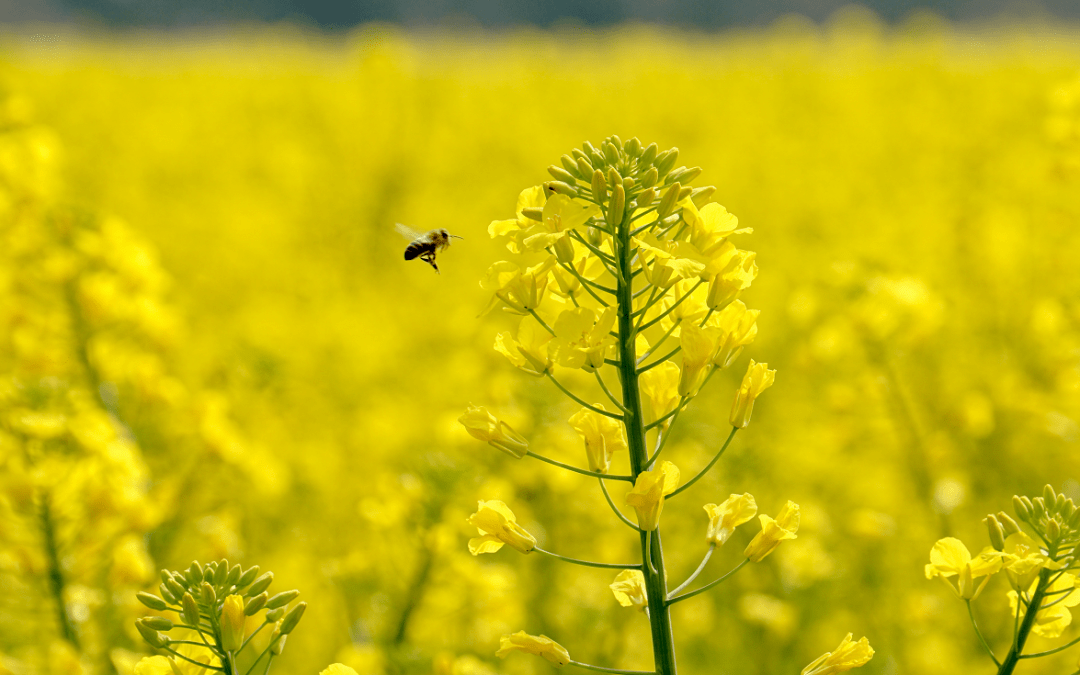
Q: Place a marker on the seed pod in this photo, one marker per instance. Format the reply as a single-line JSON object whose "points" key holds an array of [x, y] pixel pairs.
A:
{"points": [[189, 610], [282, 599], [559, 187], [617, 205], [599, 186], [533, 213], [648, 155], [668, 201], [292, 618], [559, 173], [248, 576], [260, 584], [997, 533], [570, 164], [255, 604], [150, 600]]}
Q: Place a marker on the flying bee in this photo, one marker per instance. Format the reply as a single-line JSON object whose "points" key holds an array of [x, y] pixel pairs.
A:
{"points": [[425, 245]]}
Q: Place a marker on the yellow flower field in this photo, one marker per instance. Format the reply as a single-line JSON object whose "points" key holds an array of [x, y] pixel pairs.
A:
{"points": [[211, 347]]}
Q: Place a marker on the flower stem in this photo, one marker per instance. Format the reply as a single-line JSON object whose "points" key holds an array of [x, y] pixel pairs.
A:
{"points": [[707, 467], [579, 401], [634, 422], [978, 632], [611, 670], [589, 563], [690, 579], [584, 472], [611, 503], [709, 585], [1013, 657]]}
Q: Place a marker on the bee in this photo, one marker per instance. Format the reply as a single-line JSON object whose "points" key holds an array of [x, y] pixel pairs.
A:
{"points": [[426, 245]]}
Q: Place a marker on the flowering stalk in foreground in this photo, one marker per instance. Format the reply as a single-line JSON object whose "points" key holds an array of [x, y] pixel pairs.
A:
{"points": [[212, 604], [628, 275], [1037, 569]]}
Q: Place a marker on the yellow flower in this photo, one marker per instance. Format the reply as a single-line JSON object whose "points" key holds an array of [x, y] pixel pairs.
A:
{"points": [[1052, 621], [515, 228], [661, 266], [758, 378], [1023, 559], [629, 589], [484, 426], [773, 532], [338, 669], [582, 340], [647, 495], [738, 327], [603, 437], [698, 347], [561, 214], [847, 656], [710, 228], [498, 526], [723, 519], [738, 273], [541, 645], [659, 389], [950, 558], [529, 350], [232, 623], [519, 290]]}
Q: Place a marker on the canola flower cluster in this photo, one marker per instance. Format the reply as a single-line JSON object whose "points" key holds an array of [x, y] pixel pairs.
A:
{"points": [[634, 272], [914, 201]]}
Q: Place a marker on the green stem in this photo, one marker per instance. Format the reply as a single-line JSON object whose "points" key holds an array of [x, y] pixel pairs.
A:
{"points": [[611, 670], [1013, 657], [55, 572], [709, 585], [707, 467], [583, 472], [978, 633], [678, 302], [652, 555], [653, 348], [593, 408], [589, 563], [1050, 651], [541, 321], [611, 397], [690, 579], [660, 360], [201, 665], [611, 503]]}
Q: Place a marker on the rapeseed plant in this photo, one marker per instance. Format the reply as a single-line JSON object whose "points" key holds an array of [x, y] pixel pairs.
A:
{"points": [[647, 280]]}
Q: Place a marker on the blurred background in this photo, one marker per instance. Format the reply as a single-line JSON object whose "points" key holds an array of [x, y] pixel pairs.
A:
{"points": [[211, 346]]}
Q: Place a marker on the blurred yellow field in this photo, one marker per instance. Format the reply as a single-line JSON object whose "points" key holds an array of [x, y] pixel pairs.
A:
{"points": [[211, 346]]}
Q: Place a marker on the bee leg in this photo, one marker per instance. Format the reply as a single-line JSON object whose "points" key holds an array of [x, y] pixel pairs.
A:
{"points": [[429, 258]]}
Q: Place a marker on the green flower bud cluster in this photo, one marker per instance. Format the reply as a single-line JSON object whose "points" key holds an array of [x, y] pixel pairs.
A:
{"points": [[1053, 516], [215, 601], [623, 175]]}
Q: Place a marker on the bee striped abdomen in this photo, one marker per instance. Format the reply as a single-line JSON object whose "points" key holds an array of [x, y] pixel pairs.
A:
{"points": [[414, 249]]}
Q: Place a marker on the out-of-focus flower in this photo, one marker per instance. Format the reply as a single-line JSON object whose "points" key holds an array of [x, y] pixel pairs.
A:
{"points": [[484, 426], [647, 495], [723, 519], [758, 378], [845, 657], [950, 558], [773, 532], [338, 669], [541, 645], [498, 526], [629, 589], [529, 350]]}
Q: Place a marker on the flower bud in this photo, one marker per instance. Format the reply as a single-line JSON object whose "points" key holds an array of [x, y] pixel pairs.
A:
{"points": [[649, 178], [564, 250], [232, 623], [157, 623], [221, 573], [613, 177], [648, 155], [189, 610], [293, 618], [632, 147], [646, 198], [599, 186], [277, 639], [1049, 496], [150, 600], [584, 167], [533, 213], [689, 175], [1053, 529], [701, 195], [1022, 506], [260, 584], [273, 615], [571, 166], [248, 576], [628, 182], [175, 589], [593, 154], [611, 154], [152, 637], [194, 574], [559, 173], [484, 426], [997, 533], [281, 599], [668, 202], [255, 604], [233, 576], [758, 378], [685, 192], [616, 206], [559, 187], [165, 575], [594, 236], [1038, 508], [164, 592], [665, 161], [1007, 523]]}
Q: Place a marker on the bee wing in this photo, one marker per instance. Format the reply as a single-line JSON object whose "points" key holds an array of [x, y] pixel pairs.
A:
{"points": [[407, 232]]}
